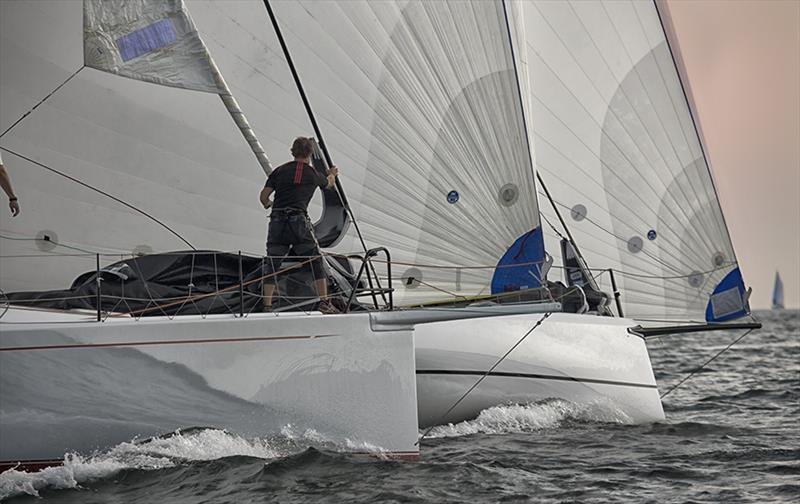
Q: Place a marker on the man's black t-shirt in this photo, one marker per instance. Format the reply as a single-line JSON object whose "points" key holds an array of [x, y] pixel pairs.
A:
{"points": [[294, 184]]}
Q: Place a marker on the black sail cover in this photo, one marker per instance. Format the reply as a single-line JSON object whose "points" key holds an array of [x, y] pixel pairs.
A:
{"points": [[187, 283]]}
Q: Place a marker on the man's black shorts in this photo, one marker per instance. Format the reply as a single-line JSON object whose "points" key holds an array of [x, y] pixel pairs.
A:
{"points": [[291, 229]]}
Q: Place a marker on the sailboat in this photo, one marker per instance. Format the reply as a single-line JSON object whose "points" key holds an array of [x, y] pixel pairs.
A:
{"points": [[483, 146], [777, 293]]}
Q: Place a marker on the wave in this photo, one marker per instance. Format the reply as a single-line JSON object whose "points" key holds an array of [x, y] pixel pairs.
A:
{"points": [[550, 414], [166, 452]]}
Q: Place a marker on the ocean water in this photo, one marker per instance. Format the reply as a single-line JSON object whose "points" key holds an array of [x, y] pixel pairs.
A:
{"points": [[732, 434]]}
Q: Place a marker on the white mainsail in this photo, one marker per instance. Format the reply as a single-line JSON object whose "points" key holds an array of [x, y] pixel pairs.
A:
{"points": [[615, 142], [418, 103], [170, 153]]}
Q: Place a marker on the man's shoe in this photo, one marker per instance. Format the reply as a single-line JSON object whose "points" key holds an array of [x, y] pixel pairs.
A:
{"points": [[327, 308]]}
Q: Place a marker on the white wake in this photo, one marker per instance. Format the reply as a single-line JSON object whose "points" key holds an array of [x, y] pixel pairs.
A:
{"points": [[514, 418]]}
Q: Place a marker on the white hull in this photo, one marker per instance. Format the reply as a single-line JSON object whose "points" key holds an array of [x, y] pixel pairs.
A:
{"points": [[79, 385], [579, 358], [72, 384]]}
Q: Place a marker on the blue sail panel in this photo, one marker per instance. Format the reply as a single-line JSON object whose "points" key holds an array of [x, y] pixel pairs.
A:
{"points": [[521, 265], [729, 299]]}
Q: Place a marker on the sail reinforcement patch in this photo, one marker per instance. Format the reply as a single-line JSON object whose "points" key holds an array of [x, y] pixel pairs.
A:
{"points": [[508, 194], [411, 278], [635, 244], [578, 212], [46, 240], [695, 279]]}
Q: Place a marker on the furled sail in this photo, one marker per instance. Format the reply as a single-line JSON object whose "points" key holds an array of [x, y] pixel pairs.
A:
{"points": [[616, 144]]}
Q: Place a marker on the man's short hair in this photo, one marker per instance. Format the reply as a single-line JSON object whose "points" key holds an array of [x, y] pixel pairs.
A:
{"points": [[301, 147]]}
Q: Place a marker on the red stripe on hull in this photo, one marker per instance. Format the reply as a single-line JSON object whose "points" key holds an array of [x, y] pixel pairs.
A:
{"points": [[165, 342]]}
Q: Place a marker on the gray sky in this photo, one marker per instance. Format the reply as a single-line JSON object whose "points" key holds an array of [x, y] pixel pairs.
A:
{"points": [[743, 61]]}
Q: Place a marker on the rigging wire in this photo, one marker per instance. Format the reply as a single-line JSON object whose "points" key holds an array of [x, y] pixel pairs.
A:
{"points": [[478, 382], [89, 186], [706, 363], [26, 114]]}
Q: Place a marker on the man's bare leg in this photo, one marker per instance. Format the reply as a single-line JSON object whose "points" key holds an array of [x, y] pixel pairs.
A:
{"points": [[325, 305], [322, 288], [268, 289]]}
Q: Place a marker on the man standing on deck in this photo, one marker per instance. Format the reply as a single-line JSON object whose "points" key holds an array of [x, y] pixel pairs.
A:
{"points": [[5, 184], [294, 184]]}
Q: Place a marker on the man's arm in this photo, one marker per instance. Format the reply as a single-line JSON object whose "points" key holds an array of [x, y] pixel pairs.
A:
{"points": [[264, 196], [5, 183]]}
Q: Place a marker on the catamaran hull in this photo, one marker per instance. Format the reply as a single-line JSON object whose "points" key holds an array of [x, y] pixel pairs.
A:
{"points": [[68, 384], [72, 385], [586, 360]]}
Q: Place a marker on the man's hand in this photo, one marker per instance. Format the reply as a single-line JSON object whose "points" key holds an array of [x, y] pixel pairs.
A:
{"points": [[263, 197], [332, 174], [13, 204]]}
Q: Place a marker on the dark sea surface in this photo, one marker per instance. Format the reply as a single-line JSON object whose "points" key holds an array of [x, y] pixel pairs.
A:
{"points": [[732, 434]]}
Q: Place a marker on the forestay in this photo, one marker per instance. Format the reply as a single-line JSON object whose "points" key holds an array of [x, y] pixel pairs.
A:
{"points": [[616, 144]]}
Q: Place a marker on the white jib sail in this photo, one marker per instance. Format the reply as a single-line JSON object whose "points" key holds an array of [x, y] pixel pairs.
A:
{"points": [[418, 102], [615, 142]]}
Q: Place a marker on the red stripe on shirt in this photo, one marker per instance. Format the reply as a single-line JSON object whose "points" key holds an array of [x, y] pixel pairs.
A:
{"points": [[298, 173]]}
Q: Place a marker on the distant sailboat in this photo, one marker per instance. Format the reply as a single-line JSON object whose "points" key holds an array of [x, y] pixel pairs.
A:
{"points": [[777, 293]]}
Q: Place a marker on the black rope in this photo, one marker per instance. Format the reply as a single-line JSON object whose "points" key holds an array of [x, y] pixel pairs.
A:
{"points": [[706, 363], [118, 200], [26, 114], [501, 359]]}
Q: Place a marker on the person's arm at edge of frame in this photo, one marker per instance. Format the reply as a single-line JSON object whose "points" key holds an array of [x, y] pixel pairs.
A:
{"points": [[5, 183]]}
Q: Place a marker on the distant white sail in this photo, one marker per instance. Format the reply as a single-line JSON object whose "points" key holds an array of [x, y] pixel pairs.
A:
{"points": [[615, 142], [777, 293]]}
